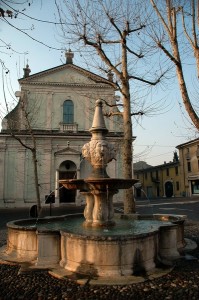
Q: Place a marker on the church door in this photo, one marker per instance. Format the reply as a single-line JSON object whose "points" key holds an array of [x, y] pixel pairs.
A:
{"points": [[67, 196]]}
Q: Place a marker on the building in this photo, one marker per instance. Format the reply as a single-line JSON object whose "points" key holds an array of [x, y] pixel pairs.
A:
{"points": [[189, 164], [175, 179], [160, 181], [55, 110]]}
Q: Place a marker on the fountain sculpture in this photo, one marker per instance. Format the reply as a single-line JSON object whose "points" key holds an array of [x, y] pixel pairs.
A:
{"points": [[98, 187], [101, 245]]}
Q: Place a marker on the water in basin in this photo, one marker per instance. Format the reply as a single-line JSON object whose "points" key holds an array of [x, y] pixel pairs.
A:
{"points": [[122, 226]]}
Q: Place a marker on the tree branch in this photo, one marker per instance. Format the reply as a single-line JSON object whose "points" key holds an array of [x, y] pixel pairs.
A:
{"points": [[100, 52], [101, 40], [132, 52], [136, 29], [110, 114], [172, 58], [19, 139], [50, 47], [110, 105], [139, 113], [147, 81], [160, 17], [185, 30]]}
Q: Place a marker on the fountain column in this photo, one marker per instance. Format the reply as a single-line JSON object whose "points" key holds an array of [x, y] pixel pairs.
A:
{"points": [[88, 211], [103, 211], [99, 153]]}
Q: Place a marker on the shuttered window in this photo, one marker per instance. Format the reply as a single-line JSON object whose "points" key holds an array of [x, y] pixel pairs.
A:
{"points": [[68, 112]]}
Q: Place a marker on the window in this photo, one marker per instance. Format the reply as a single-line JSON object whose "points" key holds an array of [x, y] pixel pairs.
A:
{"points": [[197, 151], [68, 112], [156, 174], [167, 170], [177, 186], [187, 154], [145, 175], [195, 187], [176, 170], [189, 166]]}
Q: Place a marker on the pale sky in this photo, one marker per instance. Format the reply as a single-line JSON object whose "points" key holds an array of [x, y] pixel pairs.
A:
{"points": [[156, 136]]}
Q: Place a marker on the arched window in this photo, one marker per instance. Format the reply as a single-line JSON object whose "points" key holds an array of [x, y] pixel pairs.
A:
{"points": [[68, 112]]}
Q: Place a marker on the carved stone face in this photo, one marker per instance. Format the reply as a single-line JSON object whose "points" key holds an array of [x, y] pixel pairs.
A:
{"points": [[101, 150], [98, 152]]}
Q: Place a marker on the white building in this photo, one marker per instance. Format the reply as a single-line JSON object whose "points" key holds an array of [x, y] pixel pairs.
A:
{"points": [[59, 104]]}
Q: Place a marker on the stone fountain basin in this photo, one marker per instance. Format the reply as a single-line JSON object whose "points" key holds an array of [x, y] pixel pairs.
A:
{"points": [[74, 184], [98, 183], [110, 183], [105, 255]]}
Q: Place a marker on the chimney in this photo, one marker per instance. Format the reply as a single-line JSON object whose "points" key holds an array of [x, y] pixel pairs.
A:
{"points": [[26, 71], [69, 56], [110, 76]]}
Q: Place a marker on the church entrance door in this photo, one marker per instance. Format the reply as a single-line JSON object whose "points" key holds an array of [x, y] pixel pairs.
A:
{"points": [[66, 196]]}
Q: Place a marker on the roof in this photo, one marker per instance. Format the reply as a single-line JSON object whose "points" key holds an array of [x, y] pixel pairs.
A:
{"points": [[92, 76], [140, 165], [188, 143], [152, 168]]}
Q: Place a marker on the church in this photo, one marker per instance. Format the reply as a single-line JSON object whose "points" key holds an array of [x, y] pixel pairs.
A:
{"points": [[54, 114]]}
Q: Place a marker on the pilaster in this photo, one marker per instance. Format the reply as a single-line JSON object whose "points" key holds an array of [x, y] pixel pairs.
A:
{"points": [[2, 168]]}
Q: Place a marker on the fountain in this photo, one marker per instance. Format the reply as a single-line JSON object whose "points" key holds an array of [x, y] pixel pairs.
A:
{"points": [[98, 188], [99, 245]]}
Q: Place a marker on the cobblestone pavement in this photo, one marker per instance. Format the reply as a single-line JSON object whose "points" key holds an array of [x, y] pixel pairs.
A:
{"points": [[181, 283]]}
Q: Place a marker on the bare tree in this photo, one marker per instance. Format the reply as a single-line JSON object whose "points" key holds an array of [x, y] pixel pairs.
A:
{"points": [[109, 30], [17, 9], [179, 23], [20, 123], [9, 12]]}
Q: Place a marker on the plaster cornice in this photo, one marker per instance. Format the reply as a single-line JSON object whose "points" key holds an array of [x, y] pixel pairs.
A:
{"points": [[189, 143], [60, 84]]}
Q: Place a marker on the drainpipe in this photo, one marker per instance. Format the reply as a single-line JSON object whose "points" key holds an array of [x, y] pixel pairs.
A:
{"points": [[183, 168], [57, 188]]}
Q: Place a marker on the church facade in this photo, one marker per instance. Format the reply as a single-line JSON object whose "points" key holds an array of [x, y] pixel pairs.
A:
{"points": [[54, 114]]}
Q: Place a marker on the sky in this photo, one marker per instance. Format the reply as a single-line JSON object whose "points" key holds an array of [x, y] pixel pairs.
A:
{"points": [[156, 136]]}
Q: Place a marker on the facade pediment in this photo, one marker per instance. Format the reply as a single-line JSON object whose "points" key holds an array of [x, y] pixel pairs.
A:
{"points": [[67, 151], [65, 75]]}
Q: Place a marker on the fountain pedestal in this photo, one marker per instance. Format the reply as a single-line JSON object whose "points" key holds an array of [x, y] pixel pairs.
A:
{"points": [[88, 211], [103, 211], [99, 192]]}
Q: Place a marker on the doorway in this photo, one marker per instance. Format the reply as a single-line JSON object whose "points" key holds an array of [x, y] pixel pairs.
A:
{"points": [[169, 189], [67, 170]]}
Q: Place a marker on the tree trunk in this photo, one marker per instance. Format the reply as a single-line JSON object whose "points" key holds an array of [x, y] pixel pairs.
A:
{"points": [[196, 54], [182, 85], [171, 28], [34, 158], [129, 203], [185, 97]]}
